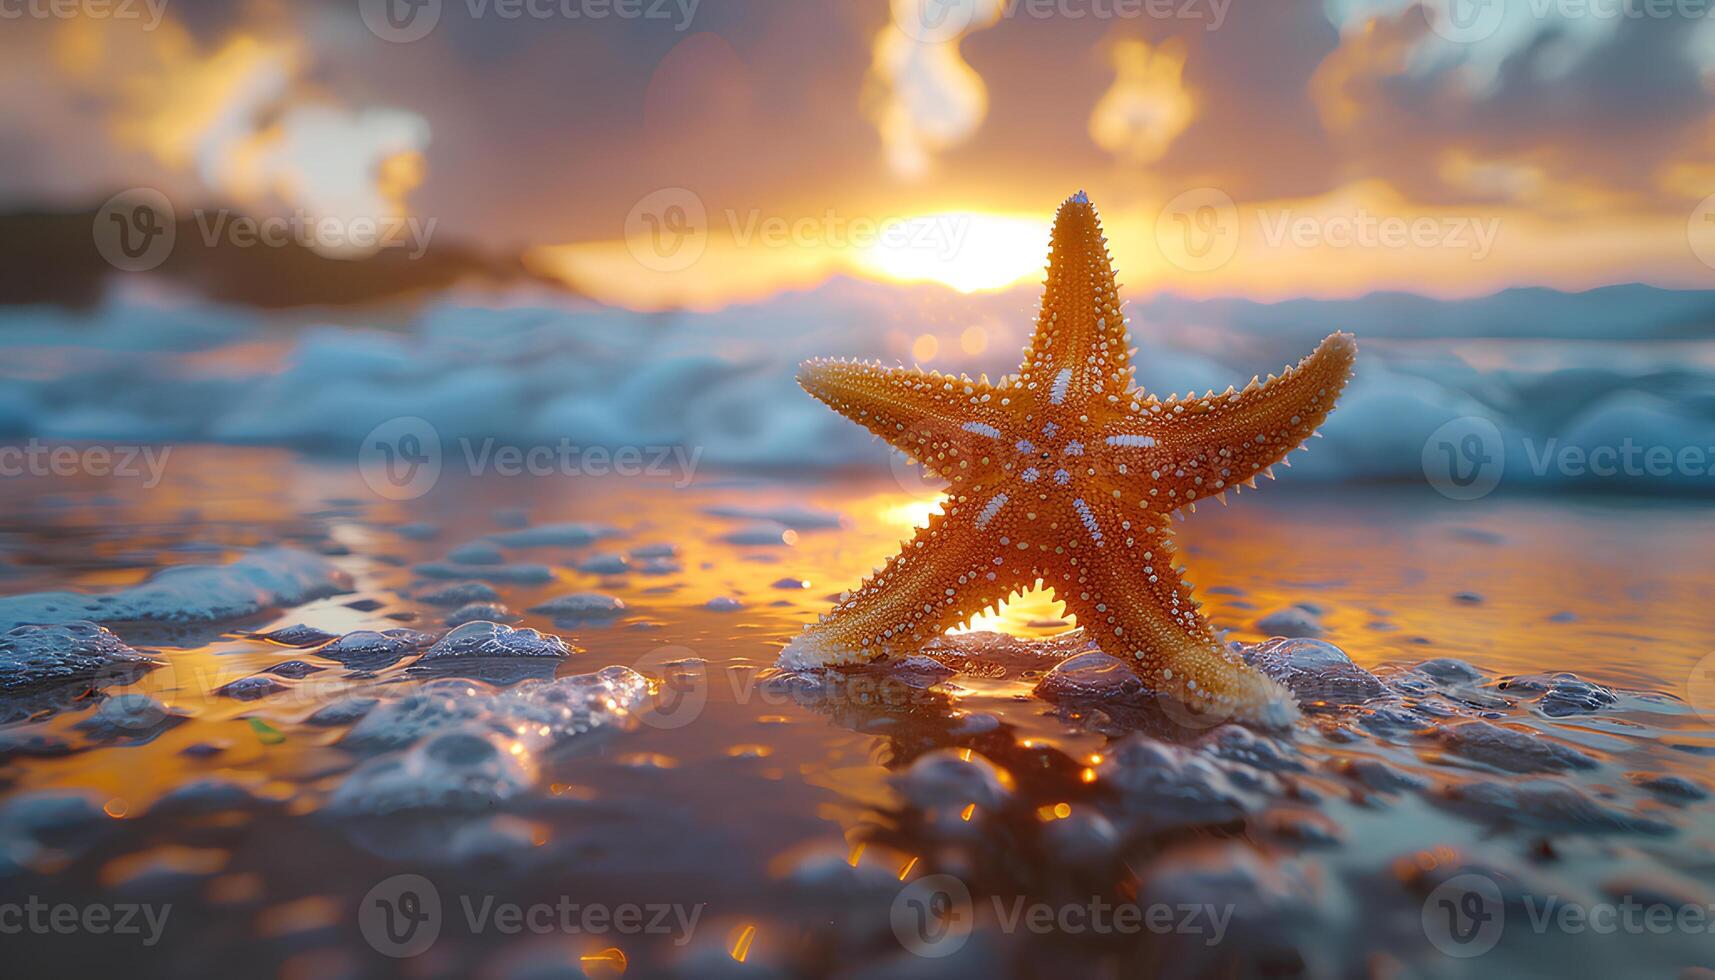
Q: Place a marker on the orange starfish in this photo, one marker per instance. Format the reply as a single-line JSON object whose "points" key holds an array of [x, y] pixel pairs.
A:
{"points": [[1066, 474]]}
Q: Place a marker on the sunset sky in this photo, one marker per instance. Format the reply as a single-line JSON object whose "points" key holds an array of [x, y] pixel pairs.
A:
{"points": [[1264, 149]]}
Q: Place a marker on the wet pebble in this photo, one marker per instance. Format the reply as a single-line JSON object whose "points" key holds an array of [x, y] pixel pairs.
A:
{"points": [[1510, 749], [520, 574], [476, 611], [206, 795], [567, 535], [298, 635], [250, 688], [580, 605], [1543, 805], [1093, 676], [1164, 784], [459, 594], [476, 553], [37, 656], [1085, 838], [1291, 621], [723, 604], [1315, 671], [945, 778], [918, 671], [611, 563], [344, 711], [1378, 775], [372, 649], [1236, 743], [539, 711], [34, 824], [1236, 913], [767, 533], [468, 770], [1449, 670], [128, 715], [294, 669], [1668, 786], [1559, 695], [484, 640]]}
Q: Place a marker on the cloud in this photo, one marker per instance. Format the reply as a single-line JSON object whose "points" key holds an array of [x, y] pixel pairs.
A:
{"points": [[1138, 119], [236, 120], [924, 97]]}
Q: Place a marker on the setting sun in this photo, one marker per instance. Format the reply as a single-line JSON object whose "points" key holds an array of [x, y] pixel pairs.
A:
{"points": [[968, 251]]}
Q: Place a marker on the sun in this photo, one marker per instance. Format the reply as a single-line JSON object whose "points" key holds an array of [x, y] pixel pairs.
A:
{"points": [[970, 251]]}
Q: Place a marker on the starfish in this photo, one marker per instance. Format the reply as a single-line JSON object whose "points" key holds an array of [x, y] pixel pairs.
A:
{"points": [[1068, 475]]}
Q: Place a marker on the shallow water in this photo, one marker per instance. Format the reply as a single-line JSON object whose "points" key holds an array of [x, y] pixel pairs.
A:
{"points": [[768, 823]]}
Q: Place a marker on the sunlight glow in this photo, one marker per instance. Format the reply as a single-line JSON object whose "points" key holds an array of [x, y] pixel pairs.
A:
{"points": [[967, 250]]}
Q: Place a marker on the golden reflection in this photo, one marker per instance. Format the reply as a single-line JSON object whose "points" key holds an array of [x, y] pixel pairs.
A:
{"points": [[741, 945], [609, 962]]}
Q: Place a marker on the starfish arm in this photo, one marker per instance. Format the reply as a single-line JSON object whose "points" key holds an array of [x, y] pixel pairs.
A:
{"points": [[937, 419], [1080, 343], [1190, 449], [946, 573], [1132, 600]]}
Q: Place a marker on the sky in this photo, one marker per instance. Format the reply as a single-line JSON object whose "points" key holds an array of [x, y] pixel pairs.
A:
{"points": [[659, 153]]}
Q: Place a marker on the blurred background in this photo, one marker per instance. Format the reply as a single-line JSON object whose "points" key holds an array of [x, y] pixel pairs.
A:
{"points": [[623, 221]]}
